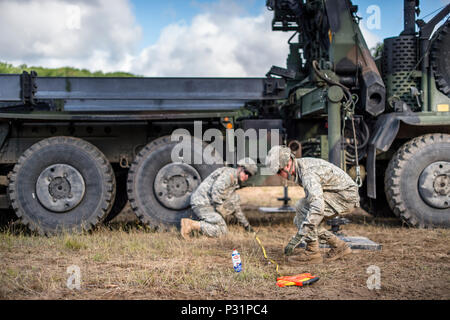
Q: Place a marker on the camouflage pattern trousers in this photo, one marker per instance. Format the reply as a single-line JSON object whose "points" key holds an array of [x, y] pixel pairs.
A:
{"points": [[312, 226], [212, 223]]}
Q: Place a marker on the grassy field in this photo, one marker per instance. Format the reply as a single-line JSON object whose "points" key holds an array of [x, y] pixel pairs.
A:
{"points": [[126, 261]]}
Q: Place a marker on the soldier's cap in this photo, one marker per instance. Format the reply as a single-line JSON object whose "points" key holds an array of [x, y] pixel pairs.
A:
{"points": [[249, 166], [278, 158]]}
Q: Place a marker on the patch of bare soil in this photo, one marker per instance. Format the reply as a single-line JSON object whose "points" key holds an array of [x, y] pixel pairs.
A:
{"points": [[127, 261]]}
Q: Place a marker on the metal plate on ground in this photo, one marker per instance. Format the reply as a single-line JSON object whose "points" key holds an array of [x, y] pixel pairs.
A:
{"points": [[276, 210], [361, 243]]}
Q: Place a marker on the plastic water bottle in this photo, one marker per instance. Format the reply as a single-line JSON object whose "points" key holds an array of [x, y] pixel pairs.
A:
{"points": [[236, 258]]}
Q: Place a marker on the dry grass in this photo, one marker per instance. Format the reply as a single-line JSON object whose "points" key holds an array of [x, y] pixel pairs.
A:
{"points": [[125, 261]]}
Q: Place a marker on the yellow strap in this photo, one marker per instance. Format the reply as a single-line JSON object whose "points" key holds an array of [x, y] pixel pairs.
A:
{"points": [[265, 254]]}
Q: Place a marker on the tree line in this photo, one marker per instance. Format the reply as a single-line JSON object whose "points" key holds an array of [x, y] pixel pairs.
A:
{"points": [[59, 72]]}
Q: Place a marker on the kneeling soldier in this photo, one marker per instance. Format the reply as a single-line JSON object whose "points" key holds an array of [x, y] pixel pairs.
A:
{"points": [[216, 198], [329, 192]]}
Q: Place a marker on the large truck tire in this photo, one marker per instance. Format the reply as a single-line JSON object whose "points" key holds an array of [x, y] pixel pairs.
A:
{"points": [[62, 184], [440, 58], [159, 189], [417, 181], [7, 217], [121, 198]]}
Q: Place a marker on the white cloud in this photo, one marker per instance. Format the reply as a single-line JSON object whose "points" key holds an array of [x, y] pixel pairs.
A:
{"points": [[215, 43], [97, 35], [222, 41]]}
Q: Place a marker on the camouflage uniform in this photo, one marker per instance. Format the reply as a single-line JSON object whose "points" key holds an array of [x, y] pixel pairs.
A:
{"points": [[329, 192], [215, 199]]}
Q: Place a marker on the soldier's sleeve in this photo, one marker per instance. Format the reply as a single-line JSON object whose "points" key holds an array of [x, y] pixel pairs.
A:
{"points": [[314, 193], [219, 188], [240, 216], [242, 219]]}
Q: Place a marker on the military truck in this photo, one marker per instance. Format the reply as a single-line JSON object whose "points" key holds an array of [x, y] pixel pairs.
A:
{"points": [[74, 151]]}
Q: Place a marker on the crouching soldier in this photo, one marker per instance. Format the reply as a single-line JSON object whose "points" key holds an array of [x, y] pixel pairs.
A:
{"points": [[329, 192], [216, 198]]}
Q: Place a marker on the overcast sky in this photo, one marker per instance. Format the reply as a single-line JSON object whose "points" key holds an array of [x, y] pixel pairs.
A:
{"points": [[223, 38]]}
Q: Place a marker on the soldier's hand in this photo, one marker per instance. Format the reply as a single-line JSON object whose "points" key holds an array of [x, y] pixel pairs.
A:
{"points": [[289, 249], [249, 229], [225, 209], [220, 209], [293, 243]]}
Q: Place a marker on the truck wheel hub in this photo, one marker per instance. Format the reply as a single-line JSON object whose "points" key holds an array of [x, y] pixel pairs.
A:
{"points": [[174, 185], [434, 185], [177, 186], [60, 188]]}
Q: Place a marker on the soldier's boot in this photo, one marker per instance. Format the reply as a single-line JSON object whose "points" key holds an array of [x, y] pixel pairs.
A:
{"points": [[188, 226], [311, 254], [338, 249]]}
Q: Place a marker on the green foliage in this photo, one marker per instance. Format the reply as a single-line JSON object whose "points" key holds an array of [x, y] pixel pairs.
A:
{"points": [[59, 72], [74, 244], [377, 51]]}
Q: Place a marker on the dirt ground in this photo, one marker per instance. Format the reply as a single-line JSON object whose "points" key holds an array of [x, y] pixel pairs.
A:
{"points": [[126, 261]]}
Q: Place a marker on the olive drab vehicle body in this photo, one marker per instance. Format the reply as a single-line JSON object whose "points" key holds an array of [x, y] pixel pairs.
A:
{"points": [[74, 151]]}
